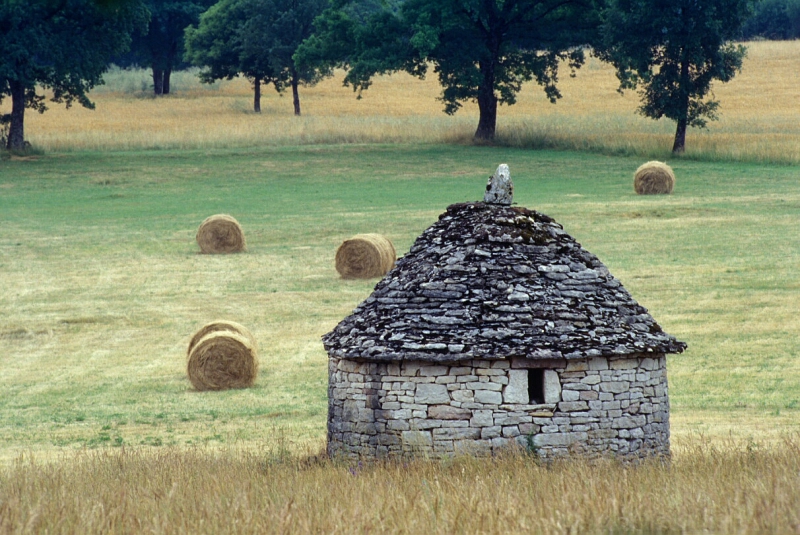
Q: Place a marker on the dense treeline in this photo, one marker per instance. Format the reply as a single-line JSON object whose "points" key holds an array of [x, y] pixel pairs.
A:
{"points": [[482, 52], [773, 19]]}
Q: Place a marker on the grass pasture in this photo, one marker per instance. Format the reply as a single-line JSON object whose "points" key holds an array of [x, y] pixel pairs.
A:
{"points": [[103, 286]]}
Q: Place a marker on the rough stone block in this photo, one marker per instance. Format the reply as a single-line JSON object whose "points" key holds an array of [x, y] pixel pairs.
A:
{"points": [[491, 432], [455, 423], [649, 364], [398, 425], [366, 428], [463, 396], [402, 414], [458, 433], [516, 391], [366, 415], [424, 423], [488, 397], [570, 395], [624, 364], [598, 363], [417, 439], [603, 433], [485, 386], [431, 394], [552, 387], [481, 418], [615, 387], [572, 406], [432, 371], [511, 418], [410, 369], [629, 422], [559, 439], [446, 412], [489, 372], [577, 366]]}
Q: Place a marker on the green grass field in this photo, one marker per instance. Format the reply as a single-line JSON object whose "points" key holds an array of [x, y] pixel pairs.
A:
{"points": [[103, 285]]}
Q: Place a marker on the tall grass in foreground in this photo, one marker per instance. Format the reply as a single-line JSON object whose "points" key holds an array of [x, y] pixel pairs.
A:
{"points": [[759, 115], [728, 488]]}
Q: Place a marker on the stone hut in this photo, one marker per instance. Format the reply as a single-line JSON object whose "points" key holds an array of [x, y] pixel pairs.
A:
{"points": [[496, 329]]}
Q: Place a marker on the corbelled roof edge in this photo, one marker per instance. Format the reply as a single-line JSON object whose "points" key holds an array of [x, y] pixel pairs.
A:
{"points": [[490, 281]]}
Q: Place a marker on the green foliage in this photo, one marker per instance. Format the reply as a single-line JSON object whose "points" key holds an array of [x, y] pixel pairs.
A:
{"points": [[160, 47], [481, 51], [774, 19], [62, 46], [255, 38], [674, 51]]}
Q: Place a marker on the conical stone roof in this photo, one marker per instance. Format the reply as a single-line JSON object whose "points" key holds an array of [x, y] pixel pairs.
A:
{"points": [[492, 281]]}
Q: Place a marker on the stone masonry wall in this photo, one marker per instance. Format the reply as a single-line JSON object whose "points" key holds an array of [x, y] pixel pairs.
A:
{"points": [[593, 406]]}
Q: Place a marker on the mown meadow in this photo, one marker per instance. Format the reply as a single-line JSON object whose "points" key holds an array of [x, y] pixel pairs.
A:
{"points": [[103, 287]]}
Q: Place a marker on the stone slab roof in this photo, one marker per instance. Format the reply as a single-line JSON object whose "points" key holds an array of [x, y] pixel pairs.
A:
{"points": [[490, 281]]}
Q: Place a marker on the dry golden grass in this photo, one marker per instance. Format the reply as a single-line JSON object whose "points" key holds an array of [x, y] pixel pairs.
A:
{"points": [[759, 116], [732, 487]]}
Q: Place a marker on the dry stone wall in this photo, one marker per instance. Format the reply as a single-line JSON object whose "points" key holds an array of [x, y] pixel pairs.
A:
{"points": [[591, 406]]}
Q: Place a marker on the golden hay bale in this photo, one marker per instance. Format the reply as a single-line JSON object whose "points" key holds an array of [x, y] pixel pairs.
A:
{"points": [[221, 325], [220, 233], [365, 256], [654, 178], [222, 360]]}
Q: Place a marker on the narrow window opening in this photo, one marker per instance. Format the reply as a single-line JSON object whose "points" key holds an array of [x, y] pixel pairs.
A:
{"points": [[536, 386]]}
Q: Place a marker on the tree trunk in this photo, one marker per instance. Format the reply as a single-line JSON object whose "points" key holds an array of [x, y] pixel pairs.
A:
{"points": [[165, 83], [257, 95], [487, 104], [295, 94], [16, 132], [680, 137], [680, 132], [158, 81]]}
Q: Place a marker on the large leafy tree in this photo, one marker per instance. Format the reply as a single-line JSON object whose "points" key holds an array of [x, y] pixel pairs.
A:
{"points": [[59, 45], [160, 47], [481, 50], [257, 39], [672, 51]]}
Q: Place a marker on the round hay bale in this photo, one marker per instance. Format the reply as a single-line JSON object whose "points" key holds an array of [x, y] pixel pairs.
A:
{"points": [[222, 360], [365, 256], [220, 233], [221, 326], [654, 178]]}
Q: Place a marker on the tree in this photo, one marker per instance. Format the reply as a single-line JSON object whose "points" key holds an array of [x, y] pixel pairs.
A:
{"points": [[255, 38], [481, 50], [160, 48], [60, 45], [774, 19], [673, 50]]}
